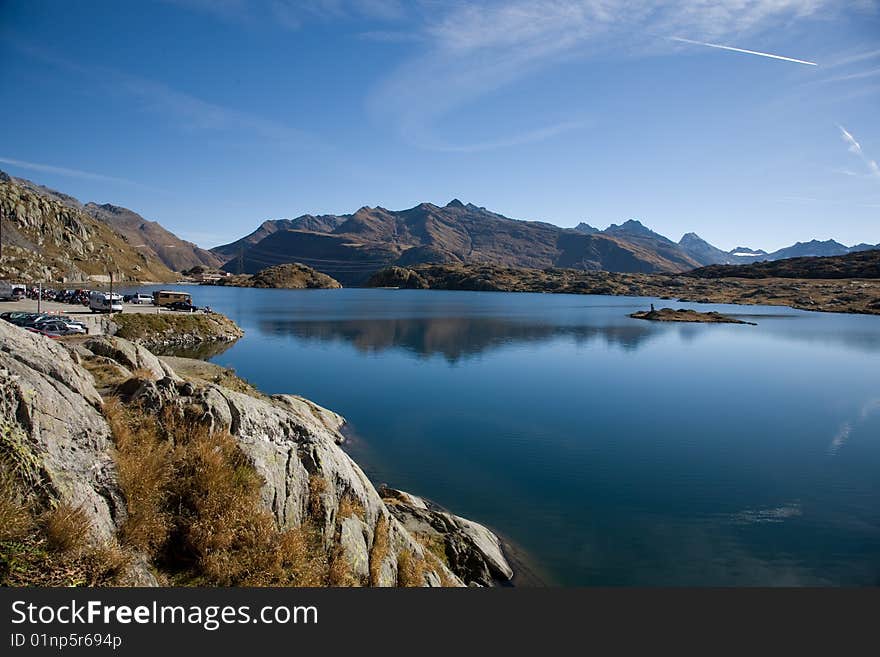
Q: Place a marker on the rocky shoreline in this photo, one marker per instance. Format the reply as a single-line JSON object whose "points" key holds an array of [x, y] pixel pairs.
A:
{"points": [[61, 402], [168, 330]]}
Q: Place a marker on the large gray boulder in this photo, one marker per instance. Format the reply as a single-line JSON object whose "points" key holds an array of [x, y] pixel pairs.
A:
{"points": [[50, 413]]}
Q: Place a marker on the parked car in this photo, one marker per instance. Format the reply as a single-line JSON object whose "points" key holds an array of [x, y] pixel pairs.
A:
{"points": [[61, 326], [26, 319], [47, 334], [14, 317], [141, 298], [183, 305]]}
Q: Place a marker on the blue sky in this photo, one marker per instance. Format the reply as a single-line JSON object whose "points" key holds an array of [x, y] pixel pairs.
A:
{"points": [[212, 116]]}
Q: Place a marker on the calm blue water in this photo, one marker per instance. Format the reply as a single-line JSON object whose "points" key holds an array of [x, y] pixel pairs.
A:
{"points": [[611, 451]]}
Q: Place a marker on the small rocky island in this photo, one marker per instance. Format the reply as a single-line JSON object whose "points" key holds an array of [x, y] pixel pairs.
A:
{"points": [[686, 315], [288, 276]]}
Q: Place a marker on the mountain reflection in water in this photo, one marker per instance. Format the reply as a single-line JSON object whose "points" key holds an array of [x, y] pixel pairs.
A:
{"points": [[455, 338]]}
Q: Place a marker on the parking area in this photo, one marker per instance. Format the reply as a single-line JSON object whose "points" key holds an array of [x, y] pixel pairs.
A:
{"points": [[95, 322]]}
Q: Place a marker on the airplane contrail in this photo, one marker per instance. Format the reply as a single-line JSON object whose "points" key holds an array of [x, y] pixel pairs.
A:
{"points": [[748, 52]]}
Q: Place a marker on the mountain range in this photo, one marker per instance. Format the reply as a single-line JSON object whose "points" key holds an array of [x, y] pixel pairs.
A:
{"points": [[351, 247]]}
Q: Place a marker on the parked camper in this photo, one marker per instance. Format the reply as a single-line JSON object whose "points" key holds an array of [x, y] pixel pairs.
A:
{"points": [[167, 297], [104, 302]]}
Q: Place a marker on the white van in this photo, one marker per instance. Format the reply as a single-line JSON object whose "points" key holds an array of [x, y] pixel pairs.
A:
{"points": [[104, 302], [9, 292]]}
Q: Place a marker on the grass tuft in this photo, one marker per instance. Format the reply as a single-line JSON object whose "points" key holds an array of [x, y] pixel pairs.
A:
{"points": [[410, 569], [351, 506], [379, 551]]}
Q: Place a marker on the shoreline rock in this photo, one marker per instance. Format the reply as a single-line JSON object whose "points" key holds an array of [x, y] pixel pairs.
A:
{"points": [[161, 331], [466, 546]]}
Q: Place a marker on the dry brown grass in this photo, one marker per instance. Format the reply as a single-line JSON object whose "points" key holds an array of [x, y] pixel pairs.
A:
{"points": [[144, 465], [434, 544], [16, 518], [52, 547], [65, 528], [195, 507], [143, 373], [435, 556], [379, 551], [317, 488], [105, 372], [340, 573], [410, 569], [350, 506]]}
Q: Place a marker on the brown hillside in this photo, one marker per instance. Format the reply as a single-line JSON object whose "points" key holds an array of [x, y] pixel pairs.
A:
{"points": [[46, 240]]}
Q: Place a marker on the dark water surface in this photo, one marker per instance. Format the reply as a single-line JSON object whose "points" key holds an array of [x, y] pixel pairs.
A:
{"points": [[613, 451]]}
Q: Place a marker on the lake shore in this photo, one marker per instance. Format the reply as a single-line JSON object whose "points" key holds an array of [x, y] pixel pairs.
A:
{"points": [[859, 296]]}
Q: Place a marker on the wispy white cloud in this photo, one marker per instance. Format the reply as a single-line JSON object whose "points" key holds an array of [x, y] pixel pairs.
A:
{"points": [[859, 75], [191, 112], [178, 108], [846, 60], [855, 148], [70, 173], [292, 14], [391, 36], [527, 137], [831, 201], [474, 49]]}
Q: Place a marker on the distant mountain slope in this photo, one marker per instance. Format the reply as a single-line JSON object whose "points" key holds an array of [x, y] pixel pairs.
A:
{"points": [[703, 252], [309, 222], [351, 247], [811, 248], [152, 239], [50, 240], [860, 264], [634, 232], [585, 228], [149, 237]]}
